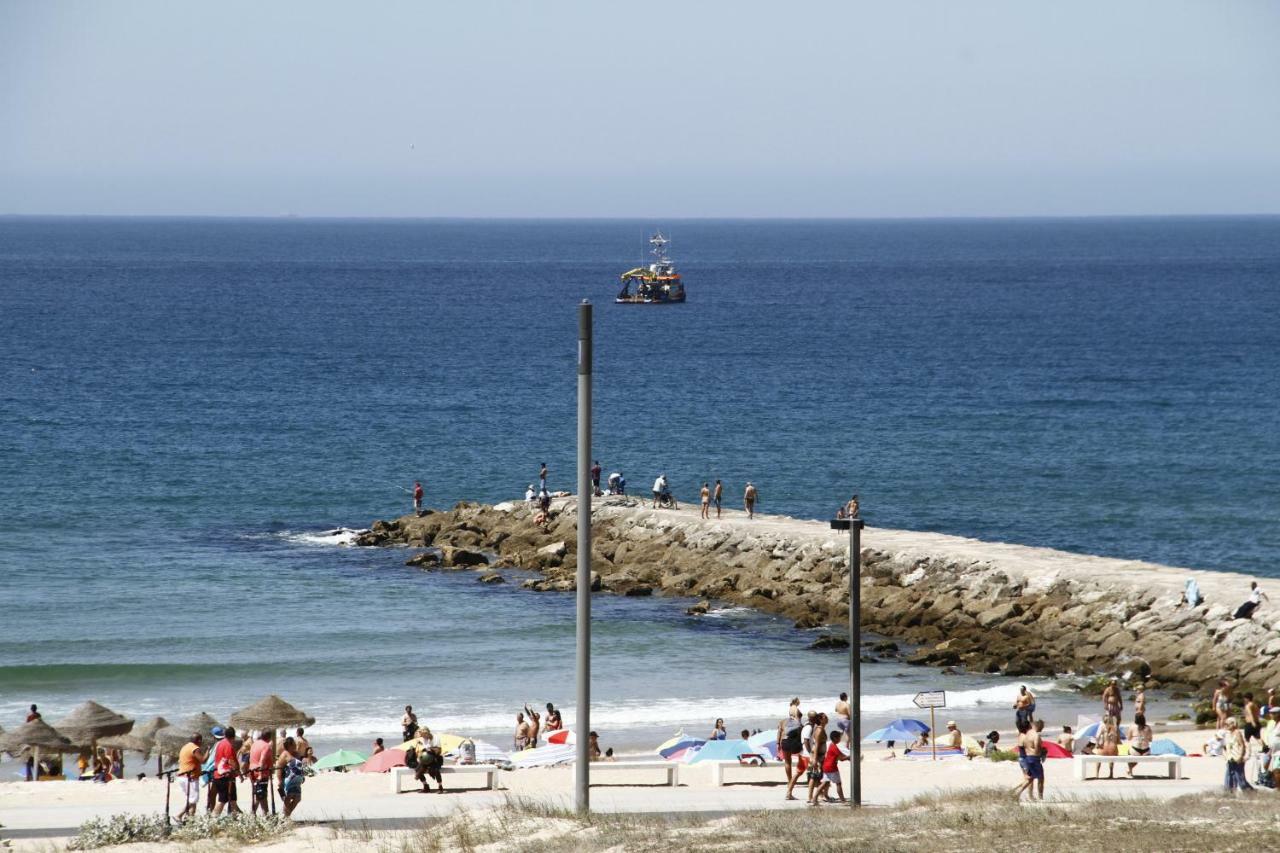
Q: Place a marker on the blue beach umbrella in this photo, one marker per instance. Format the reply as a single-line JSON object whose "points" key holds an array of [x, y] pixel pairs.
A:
{"points": [[1090, 733], [765, 743], [722, 750], [904, 729], [679, 746], [1164, 746]]}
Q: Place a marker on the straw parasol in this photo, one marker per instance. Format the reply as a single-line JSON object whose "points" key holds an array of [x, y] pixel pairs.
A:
{"points": [[127, 743], [91, 721], [36, 735], [169, 740], [269, 714], [147, 731]]}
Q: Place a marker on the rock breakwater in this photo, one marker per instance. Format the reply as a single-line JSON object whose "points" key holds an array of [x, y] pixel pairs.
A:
{"points": [[983, 606]]}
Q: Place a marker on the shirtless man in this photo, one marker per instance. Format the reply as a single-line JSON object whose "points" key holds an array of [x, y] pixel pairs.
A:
{"points": [[1067, 740], [1030, 761], [1252, 719], [522, 733], [717, 496], [535, 725], [843, 720], [749, 499], [706, 501], [542, 478], [1024, 706], [851, 508]]}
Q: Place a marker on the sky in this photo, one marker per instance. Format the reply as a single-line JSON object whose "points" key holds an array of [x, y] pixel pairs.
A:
{"points": [[668, 109]]}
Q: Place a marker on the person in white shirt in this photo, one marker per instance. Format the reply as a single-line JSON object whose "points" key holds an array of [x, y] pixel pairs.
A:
{"points": [[659, 488], [530, 495]]}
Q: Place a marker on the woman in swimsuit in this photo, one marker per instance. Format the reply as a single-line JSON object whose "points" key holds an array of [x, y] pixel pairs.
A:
{"points": [[1108, 744], [1222, 702], [1140, 736]]}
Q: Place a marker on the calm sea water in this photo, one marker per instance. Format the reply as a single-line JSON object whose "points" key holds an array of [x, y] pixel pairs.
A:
{"points": [[184, 404]]}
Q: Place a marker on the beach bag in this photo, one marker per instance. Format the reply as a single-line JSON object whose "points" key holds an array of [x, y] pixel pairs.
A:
{"points": [[294, 775]]}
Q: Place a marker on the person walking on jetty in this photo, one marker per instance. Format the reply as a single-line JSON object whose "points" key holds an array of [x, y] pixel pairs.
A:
{"points": [[595, 478], [190, 762], [1222, 702], [417, 498], [706, 501], [1112, 701], [717, 495], [542, 477], [1252, 603], [225, 770], [749, 499]]}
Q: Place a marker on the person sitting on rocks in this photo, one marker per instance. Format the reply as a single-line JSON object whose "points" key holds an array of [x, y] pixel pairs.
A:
{"points": [[1252, 603]]}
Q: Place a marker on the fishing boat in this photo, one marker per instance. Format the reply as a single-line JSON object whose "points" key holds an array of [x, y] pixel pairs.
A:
{"points": [[656, 283]]}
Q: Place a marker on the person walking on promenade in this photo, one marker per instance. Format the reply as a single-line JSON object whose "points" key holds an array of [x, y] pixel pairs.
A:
{"points": [[1222, 702], [791, 745], [1256, 596], [836, 752], [1112, 702], [225, 770], [417, 498], [190, 762], [706, 501], [409, 723], [542, 477], [717, 495], [816, 753], [749, 499], [1236, 751], [595, 478]]}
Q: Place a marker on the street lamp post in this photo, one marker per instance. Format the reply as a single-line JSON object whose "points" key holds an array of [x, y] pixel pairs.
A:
{"points": [[854, 526], [582, 772]]}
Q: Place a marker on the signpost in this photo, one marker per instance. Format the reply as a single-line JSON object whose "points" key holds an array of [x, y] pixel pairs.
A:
{"points": [[932, 699]]}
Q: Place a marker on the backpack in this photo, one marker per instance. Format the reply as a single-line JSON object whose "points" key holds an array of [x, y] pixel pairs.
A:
{"points": [[411, 757]]}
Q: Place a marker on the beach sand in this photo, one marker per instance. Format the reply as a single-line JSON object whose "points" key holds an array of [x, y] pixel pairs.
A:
{"points": [[37, 815]]}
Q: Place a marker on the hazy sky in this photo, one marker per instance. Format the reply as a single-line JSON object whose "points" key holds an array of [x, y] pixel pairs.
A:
{"points": [[658, 108]]}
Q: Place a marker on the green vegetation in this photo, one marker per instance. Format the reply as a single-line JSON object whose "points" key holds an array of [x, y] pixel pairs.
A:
{"points": [[128, 829]]}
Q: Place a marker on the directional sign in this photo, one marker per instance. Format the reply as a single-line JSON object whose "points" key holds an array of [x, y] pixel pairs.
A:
{"points": [[931, 699]]}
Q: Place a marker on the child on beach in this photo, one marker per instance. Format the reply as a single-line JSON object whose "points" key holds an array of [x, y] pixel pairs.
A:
{"points": [[836, 752]]}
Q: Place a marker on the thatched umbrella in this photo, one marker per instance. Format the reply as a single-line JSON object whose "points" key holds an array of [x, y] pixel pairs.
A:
{"points": [[270, 714], [147, 731], [169, 740], [36, 735], [91, 721]]}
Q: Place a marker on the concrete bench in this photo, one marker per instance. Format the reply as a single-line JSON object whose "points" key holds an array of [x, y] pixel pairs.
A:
{"points": [[1174, 763], [671, 768], [718, 768], [489, 771]]}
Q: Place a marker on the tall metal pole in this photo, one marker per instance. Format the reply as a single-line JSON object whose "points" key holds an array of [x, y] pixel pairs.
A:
{"points": [[582, 775], [855, 659]]}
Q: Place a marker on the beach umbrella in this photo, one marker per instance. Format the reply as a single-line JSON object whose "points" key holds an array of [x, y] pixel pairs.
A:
{"points": [[170, 739], [270, 713], [127, 743], [722, 750], [765, 743], [36, 735], [341, 758], [1165, 746], [561, 736], [447, 743], [907, 730], [383, 761], [1054, 750], [1090, 733], [147, 731], [89, 722], [486, 753], [545, 756], [677, 747]]}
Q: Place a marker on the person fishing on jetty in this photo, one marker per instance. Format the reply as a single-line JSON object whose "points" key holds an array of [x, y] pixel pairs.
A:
{"points": [[417, 498]]}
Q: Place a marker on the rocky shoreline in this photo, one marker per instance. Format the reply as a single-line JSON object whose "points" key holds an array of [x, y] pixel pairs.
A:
{"points": [[979, 606]]}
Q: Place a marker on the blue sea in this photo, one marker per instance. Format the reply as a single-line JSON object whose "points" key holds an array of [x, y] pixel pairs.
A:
{"points": [[187, 405]]}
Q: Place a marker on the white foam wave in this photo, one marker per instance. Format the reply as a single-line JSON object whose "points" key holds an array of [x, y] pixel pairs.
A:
{"points": [[341, 536], [676, 711]]}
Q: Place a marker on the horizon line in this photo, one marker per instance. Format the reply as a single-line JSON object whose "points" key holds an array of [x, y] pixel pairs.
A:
{"points": [[291, 217]]}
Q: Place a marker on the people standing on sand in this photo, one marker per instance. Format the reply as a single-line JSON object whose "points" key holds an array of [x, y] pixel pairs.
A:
{"points": [[417, 498], [305, 752], [749, 497], [190, 760], [595, 478], [1236, 751], [836, 752], [1035, 758], [1256, 596], [261, 762], [593, 747], [1108, 744], [554, 722], [1252, 728], [1222, 702], [1024, 706], [290, 774], [542, 477], [717, 495], [1112, 701], [409, 723], [535, 725], [521, 739], [718, 731], [843, 719], [225, 770], [816, 753], [790, 744], [706, 500]]}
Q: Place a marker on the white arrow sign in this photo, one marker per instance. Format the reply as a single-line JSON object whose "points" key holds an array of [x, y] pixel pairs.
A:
{"points": [[931, 699]]}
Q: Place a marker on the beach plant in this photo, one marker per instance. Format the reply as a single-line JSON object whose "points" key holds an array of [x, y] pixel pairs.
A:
{"points": [[130, 828]]}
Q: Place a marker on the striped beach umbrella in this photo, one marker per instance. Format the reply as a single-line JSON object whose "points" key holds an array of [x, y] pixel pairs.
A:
{"points": [[678, 747]]}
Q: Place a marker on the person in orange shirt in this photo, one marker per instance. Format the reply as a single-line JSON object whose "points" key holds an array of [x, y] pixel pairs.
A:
{"points": [[261, 762], [190, 760]]}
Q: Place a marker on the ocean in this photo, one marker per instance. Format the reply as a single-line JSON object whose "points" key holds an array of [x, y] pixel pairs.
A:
{"points": [[188, 405]]}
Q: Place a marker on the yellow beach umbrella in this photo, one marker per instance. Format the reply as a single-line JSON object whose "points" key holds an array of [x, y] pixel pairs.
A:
{"points": [[446, 742]]}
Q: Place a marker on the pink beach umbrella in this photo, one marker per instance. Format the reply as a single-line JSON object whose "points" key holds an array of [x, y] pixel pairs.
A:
{"points": [[383, 761]]}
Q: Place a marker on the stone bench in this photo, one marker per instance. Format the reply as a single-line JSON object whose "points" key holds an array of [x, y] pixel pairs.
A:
{"points": [[671, 768], [1174, 763], [489, 771], [718, 768]]}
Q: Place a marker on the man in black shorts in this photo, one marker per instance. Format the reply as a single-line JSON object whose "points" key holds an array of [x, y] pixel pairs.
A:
{"points": [[226, 767]]}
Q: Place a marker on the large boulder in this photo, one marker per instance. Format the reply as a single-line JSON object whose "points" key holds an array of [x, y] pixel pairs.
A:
{"points": [[461, 557]]}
